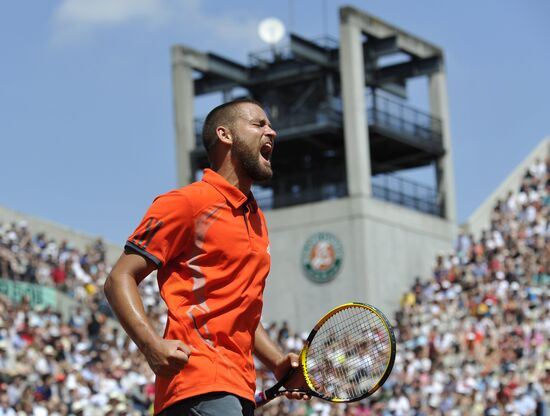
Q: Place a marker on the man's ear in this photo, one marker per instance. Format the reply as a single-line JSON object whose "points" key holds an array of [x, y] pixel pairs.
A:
{"points": [[224, 135]]}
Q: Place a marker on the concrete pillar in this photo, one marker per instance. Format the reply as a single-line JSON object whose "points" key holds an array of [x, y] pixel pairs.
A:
{"points": [[182, 75], [352, 75], [445, 178]]}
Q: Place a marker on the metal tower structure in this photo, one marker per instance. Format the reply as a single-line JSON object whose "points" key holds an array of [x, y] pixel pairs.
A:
{"points": [[340, 113], [344, 125]]}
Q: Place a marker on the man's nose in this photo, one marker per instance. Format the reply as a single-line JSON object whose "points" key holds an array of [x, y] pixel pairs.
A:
{"points": [[270, 132]]}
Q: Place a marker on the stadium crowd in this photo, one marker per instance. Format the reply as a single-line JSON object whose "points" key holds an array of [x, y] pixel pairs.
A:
{"points": [[473, 339], [82, 364]]}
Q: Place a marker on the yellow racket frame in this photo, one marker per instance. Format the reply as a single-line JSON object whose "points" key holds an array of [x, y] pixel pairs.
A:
{"points": [[328, 315]]}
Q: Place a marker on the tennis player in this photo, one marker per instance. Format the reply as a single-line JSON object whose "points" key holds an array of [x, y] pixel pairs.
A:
{"points": [[209, 244]]}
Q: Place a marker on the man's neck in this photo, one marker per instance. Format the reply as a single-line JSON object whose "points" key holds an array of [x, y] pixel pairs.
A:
{"points": [[239, 181]]}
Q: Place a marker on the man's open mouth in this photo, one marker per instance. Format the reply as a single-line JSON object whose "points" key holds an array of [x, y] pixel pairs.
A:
{"points": [[266, 151]]}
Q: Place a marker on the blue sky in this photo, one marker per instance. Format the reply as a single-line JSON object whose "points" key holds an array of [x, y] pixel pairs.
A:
{"points": [[86, 119]]}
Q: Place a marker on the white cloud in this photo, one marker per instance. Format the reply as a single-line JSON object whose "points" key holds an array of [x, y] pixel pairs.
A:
{"points": [[77, 19], [108, 11]]}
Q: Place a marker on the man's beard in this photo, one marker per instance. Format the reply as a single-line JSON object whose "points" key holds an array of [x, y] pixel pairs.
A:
{"points": [[249, 161]]}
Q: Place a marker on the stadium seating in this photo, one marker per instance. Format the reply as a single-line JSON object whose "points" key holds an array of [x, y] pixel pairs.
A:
{"points": [[473, 338]]}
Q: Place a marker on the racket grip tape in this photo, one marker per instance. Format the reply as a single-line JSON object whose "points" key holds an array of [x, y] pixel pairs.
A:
{"points": [[260, 399], [263, 397]]}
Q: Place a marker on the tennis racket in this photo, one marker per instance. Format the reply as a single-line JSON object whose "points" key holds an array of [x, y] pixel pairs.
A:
{"points": [[348, 356]]}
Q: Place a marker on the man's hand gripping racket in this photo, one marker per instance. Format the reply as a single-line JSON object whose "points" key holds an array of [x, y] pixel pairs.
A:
{"points": [[348, 356]]}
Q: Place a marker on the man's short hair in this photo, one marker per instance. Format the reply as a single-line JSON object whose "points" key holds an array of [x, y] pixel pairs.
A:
{"points": [[223, 115]]}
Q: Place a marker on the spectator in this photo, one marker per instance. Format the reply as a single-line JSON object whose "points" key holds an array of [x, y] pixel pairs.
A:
{"points": [[473, 339]]}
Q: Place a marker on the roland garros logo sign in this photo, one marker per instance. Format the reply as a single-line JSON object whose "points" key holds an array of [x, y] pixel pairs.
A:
{"points": [[322, 257]]}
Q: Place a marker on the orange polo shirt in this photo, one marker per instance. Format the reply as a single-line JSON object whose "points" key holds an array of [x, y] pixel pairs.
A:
{"points": [[211, 247]]}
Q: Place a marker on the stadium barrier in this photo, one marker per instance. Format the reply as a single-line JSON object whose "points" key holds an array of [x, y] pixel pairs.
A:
{"points": [[36, 294]]}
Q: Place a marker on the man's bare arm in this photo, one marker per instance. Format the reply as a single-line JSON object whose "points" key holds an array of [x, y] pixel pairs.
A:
{"points": [[273, 358], [268, 352], [165, 357]]}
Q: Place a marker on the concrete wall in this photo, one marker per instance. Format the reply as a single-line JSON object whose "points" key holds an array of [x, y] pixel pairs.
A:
{"points": [[58, 232], [385, 247], [401, 245], [480, 219], [289, 294]]}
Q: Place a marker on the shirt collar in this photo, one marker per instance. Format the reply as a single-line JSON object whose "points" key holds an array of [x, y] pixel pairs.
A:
{"points": [[234, 196]]}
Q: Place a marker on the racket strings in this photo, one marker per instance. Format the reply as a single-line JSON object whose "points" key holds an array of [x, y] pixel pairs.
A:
{"points": [[349, 354]]}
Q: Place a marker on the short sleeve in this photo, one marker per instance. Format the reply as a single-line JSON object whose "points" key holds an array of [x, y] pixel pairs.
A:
{"points": [[164, 230]]}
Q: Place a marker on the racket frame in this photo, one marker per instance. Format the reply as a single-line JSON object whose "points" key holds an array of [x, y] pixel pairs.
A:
{"points": [[273, 392], [389, 363]]}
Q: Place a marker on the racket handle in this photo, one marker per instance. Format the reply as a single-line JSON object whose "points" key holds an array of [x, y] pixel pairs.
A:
{"points": [[265, 396], [260, 399]]}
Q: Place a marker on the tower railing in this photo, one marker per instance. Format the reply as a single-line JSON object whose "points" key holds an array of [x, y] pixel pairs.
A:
{"points": [[310, 185], [382, 111], [283, 51], [403, 119], [406, 192]]}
